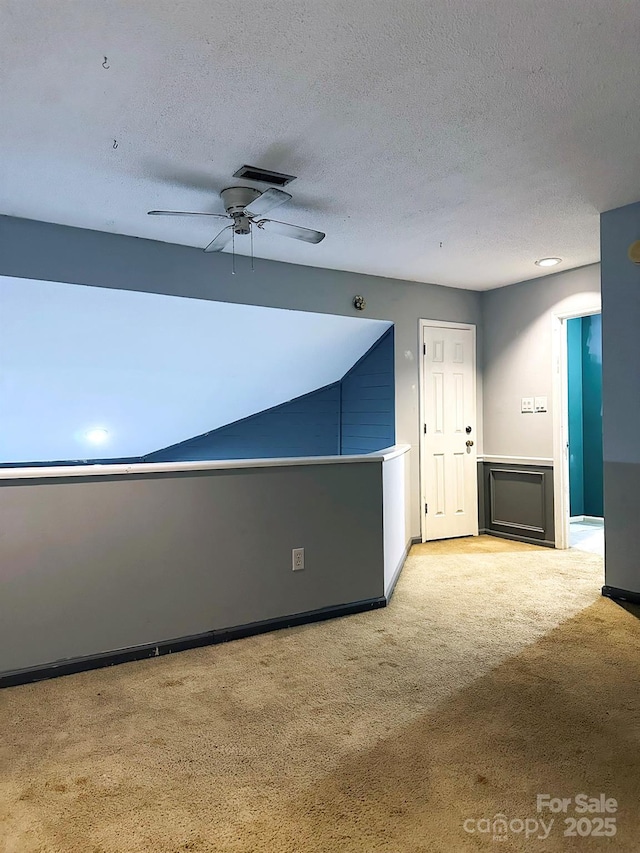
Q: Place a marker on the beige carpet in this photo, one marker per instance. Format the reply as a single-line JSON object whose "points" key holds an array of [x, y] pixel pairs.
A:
{"points": [[497, 673]]}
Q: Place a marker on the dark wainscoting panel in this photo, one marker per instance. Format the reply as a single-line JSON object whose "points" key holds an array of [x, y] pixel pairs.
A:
{"points": [[516, 502]]}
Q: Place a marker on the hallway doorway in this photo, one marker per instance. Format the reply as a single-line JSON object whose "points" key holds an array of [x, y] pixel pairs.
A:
{"points": [[584, 404], [587, 534], [584, 410], [577, 407]]}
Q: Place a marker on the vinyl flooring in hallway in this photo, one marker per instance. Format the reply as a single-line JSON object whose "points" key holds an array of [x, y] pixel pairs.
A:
{"points": [[587, 534]]}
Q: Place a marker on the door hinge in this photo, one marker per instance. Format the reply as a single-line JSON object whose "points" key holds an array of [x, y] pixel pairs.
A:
{"points": [[426, 508], [424, 349], [425, 429]]}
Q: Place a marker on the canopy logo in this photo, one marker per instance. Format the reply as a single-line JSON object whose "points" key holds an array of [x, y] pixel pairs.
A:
{"points": [[500, 827], [590, 816]]}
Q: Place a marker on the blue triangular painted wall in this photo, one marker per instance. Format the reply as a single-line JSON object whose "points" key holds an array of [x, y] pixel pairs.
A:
{"points": [[355, 415]]}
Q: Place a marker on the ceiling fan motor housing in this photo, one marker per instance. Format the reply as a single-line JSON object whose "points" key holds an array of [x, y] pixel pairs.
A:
{"points": [[235, 199]]}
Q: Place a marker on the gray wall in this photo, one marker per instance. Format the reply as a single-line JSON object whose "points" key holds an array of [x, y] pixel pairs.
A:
{"points": [[621, 396], [38, 250], [95, 564], [518, 357]]}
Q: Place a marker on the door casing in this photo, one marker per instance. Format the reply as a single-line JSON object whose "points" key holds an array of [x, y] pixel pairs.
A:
{"points": [[442, 324]]}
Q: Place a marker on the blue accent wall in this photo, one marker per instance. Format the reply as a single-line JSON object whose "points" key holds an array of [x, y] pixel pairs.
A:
{"points": [[584, 346], [368, 401], [355, 415], [306, 426], [576, 447]]}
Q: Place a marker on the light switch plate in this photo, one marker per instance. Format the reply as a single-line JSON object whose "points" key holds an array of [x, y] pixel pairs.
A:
{"points": [[541, 404], [527, 405]]}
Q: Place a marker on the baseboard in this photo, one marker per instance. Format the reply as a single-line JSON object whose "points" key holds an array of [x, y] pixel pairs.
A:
{"points": [[394, 580], [515, 537], [618, 594], [166, 647]]}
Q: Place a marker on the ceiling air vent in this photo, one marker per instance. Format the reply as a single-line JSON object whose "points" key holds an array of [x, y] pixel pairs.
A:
{"points": [[253, 173]]}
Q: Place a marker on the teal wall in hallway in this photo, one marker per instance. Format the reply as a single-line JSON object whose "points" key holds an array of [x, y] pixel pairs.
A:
{"points": [[576, 445], [592, 413], [584, 346]]}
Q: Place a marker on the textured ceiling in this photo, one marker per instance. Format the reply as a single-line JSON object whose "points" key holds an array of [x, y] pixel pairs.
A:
{"points": [[152, 370], [451, 141]]}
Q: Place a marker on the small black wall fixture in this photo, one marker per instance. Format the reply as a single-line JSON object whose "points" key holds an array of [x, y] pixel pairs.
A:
{"points": [[358, 303]]}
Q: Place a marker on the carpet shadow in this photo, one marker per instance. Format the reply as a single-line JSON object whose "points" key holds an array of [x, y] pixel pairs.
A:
{"points": [[632, 609], [562, 718]]}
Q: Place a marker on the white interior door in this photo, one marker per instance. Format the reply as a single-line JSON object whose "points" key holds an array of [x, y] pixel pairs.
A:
{"points": [[449, 466]]}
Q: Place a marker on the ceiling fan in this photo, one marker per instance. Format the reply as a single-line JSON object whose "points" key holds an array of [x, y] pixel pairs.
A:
{"points": [[245, 208]]}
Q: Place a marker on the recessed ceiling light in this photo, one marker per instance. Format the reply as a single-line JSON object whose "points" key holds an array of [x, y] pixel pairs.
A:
{"points": [[97, 436], [548, 262]]}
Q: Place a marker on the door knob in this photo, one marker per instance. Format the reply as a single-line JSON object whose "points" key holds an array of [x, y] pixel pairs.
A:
{"points": [[469, 443]]}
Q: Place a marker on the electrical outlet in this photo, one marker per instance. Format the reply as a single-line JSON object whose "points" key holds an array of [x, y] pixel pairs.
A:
{"points": [[297, 559], [541, 404], [526, 406]]}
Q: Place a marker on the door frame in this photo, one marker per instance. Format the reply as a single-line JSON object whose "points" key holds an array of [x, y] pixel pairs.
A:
{"points": [[560, 399], [443, 324]]}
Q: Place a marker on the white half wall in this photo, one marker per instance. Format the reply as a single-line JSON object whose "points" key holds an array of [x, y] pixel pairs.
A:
{"points": [[395, 528]]}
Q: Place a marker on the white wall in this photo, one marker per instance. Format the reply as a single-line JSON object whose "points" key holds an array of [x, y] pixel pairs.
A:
{"points": [[395, 530], [152, 370], [108, 260], [517, 324]]}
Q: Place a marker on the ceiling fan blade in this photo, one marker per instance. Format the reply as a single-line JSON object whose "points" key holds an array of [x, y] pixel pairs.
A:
{"points": [[184, 213], [267, 201], [220, 240], [295, 231]]}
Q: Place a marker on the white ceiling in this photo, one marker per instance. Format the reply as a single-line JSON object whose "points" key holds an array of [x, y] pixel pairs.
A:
{"points": [[497, 128], [152, 370]]}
